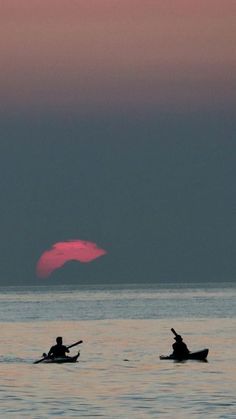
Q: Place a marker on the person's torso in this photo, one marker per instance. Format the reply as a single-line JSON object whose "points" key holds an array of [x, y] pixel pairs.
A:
{"points": [[180, 348], [59, 350]]}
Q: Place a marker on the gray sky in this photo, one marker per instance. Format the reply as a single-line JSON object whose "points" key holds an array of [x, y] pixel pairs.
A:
{"points": [[156, 192]]}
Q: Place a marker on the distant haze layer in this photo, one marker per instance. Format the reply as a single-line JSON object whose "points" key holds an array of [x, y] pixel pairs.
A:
{"points": [[69, 55]]}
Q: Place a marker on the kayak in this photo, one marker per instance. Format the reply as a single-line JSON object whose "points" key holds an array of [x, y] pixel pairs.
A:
{"points": [[199, 355], [61, 360]]}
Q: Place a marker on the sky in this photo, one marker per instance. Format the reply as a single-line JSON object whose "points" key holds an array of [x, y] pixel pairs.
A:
{"points": [[117, 127]]}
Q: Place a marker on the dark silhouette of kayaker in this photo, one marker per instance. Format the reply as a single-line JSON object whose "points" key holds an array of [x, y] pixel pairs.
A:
{"points": [[180, 349], [58, 350]]}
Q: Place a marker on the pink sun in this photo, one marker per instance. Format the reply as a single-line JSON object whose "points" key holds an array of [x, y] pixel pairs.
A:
{"points": [[62, 252]]}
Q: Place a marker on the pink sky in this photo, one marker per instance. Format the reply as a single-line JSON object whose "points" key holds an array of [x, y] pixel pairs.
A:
{"points": [[85, 54]]}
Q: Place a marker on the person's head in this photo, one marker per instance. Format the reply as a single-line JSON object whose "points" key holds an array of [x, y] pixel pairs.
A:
{"points": [[59, 340], [178, 338]]}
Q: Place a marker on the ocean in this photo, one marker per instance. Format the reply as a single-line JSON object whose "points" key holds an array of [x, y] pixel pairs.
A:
{"points": [[124, 331]]}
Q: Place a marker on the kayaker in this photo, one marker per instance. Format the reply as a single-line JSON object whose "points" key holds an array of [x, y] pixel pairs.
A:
{"points": [[58, 350], [180, 349]]}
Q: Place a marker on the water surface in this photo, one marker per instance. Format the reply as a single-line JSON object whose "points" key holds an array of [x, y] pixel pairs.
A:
{"points": [[124, 332]]}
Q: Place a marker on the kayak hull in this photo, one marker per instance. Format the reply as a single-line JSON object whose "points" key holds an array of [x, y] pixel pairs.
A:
{"points": [[199, 356], [61, 360]]}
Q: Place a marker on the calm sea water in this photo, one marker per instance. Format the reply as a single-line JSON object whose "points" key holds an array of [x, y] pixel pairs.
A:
{"points": [[124, 330]]}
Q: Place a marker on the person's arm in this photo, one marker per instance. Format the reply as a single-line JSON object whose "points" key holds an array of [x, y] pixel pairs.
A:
{"points": [[51, 351], [65, 349]]}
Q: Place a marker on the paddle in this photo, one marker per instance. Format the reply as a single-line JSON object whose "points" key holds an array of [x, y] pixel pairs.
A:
{"points": [[68, 347], [173, 331]]}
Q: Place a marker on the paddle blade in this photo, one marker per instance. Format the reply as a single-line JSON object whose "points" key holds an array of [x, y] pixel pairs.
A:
{"points": [[75, 344], [173, 331], [40, 360]]}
